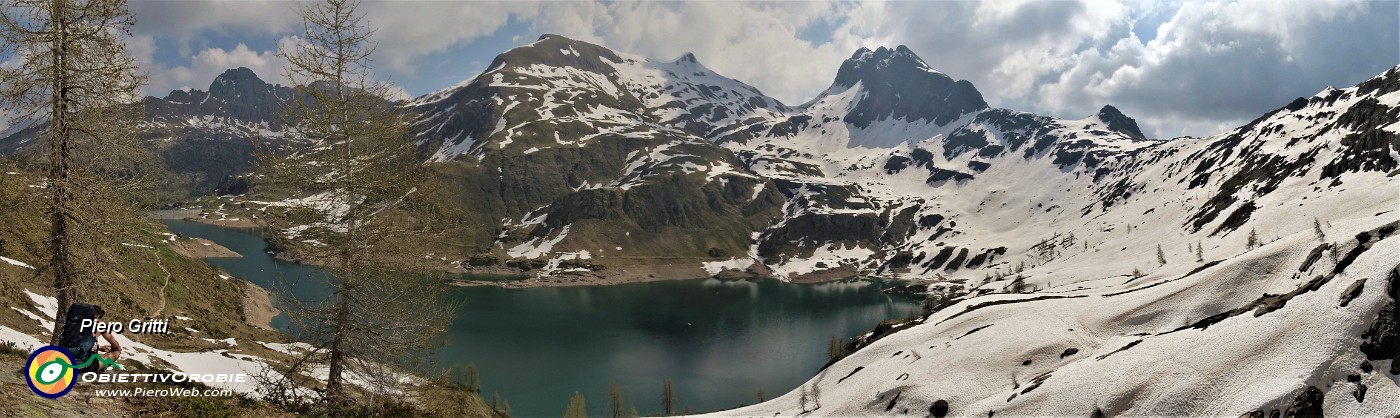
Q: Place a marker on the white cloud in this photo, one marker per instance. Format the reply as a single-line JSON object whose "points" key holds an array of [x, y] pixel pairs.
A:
{"points": [[757, 43], [1217, 65], [406, 32], [204, 66], [185, 19], [1211, 66], [1195, 68]]}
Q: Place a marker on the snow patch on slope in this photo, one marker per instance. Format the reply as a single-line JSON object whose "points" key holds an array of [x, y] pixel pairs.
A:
{"points": [[538, 247], [14, 262]]}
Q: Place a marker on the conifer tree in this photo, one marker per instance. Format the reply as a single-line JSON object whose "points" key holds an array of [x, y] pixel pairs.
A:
{"points": [[835, 350], [577, 408], [350, 155], [1253, 240], [617, 406], [473, 379], [1018, 284], [1161, 257], [69, 76], [668, 397], [802, 397]]}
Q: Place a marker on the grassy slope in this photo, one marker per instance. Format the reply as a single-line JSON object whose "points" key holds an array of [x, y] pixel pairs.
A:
{"points": [[132, 288]]}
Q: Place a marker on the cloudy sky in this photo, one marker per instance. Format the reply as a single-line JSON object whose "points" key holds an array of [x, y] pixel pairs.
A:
{"points": [[1180, 68]]}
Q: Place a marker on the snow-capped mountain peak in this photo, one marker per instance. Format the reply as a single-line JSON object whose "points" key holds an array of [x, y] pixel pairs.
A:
{"points": [[880, 58], [897, 84], [528, 90], [1118, 122], [1088, 250], [686, 58]]}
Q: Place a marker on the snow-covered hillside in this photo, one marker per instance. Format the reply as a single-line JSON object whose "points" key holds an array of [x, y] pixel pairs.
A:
{"points": [[998, 189], [1275, 290], [897, 169], [1093, 270], [1284, 327], [570, 92]]}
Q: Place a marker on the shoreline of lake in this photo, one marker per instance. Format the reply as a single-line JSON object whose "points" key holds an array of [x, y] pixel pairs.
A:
{"points": [[258, 308], [194, 215], [615, 274], [718, 340], [202, 248]]}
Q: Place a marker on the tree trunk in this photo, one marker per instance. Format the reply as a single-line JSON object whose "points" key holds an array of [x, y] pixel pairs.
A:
{"points": [[334, 389], [59, 154]]}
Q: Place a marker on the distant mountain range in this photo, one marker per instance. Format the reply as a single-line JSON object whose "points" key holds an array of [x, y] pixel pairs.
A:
{"points": [[1249, 272], [569, 150]]}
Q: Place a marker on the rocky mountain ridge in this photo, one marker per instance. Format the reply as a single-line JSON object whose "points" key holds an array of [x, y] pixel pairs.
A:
{"points": [[803, 177], [1083, 268], [1241, 273], [571, 158], [201, 137]]}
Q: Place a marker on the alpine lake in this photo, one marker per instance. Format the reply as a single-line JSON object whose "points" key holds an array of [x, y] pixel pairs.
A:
{"points": [[719, 341]]}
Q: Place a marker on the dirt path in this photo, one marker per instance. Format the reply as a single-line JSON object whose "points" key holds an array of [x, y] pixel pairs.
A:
{"points": [[163, 287]]}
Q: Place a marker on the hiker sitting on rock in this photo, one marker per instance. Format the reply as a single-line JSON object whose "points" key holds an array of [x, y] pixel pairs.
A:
{"points": [[113, 350], [82, 345]]}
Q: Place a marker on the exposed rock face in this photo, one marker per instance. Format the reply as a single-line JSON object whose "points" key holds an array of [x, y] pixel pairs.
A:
{"points": [[899, 85], [236, 95], [202, 137], [564, 146], [1118, 122], [567, 156]]}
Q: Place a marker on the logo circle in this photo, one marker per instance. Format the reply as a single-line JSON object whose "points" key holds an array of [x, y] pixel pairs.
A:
{"points": [[49, 372]]}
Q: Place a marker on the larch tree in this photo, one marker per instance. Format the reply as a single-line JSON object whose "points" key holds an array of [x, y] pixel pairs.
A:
{"points": [[835, 349], [70, 82], [668, 396], [802, 397], [363, 205], [473, 379], [578, 407], [617, 406]]}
